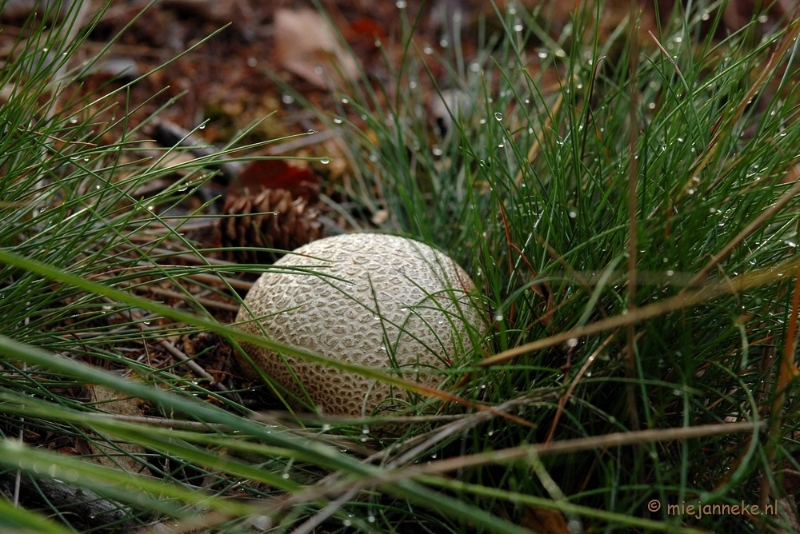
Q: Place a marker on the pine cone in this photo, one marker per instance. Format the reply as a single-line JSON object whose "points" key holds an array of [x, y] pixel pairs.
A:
{"points": [[272, 219]]}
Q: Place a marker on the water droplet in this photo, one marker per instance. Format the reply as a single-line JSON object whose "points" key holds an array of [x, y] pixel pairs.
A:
{"points": [[443, 43], [501, 145], [498, 116], [365, 430], [401, 4], [287, 99], [474, 66], [763, 19], [252, 62], [325, 161], [572, 342], [377, 43], [436, 151], [285, 476], [518, 27], [337, 120], [498, 317], [326, 427], [670, 272], [311, 131], [427, 50], [572, 214], [542, 54]]}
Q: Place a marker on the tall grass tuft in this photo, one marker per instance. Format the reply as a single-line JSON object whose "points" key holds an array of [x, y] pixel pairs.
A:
{"points": [[619, 397]]}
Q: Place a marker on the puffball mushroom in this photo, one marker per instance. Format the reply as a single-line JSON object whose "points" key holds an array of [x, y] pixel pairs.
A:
{"points": [[374, 300]]}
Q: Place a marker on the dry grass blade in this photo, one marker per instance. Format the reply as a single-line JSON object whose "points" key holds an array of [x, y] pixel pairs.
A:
{"points": [[742, 282]]}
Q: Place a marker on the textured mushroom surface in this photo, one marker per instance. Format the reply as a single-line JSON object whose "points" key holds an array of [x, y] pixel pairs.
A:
{"points": [[375, 300]]}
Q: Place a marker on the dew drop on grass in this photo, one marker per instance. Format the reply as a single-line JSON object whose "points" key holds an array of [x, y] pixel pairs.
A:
{"points": [[325, 161], [498, 116], [345, 100], [337, 120], [252, 62], [428, 50], [542, 54], [326, 427], [498, 317], [436, 151], [474, 66], [501, 145], [287, 99], [444, 43], [572, 342], [401, 4], [371, 518], [311, 131], [518, 26]]}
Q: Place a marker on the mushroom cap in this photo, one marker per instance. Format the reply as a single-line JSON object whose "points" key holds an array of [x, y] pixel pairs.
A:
{"points": [[375, 300]]}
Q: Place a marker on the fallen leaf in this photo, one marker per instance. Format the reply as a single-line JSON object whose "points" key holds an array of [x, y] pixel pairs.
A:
{"points": [[109, 455], [306, 45], [544, 520], [278, 174]]}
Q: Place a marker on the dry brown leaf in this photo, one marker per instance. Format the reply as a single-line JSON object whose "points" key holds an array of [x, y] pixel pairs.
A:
{"points": [[109, 401], [306, 45], [544, 520]]}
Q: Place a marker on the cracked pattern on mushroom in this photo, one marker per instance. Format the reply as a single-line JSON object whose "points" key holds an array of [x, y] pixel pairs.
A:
{"points": [[374, 300]]}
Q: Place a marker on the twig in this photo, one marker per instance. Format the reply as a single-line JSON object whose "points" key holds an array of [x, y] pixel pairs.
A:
{"points": [[208, 303], [191, 364], [170, 134]]}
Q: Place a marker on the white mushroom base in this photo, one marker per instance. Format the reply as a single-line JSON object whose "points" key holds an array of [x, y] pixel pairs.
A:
{"points": [[374, 300]]}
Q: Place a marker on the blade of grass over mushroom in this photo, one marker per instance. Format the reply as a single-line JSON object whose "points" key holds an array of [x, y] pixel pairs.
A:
{"points": [[322, 455], [213, 326]]}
